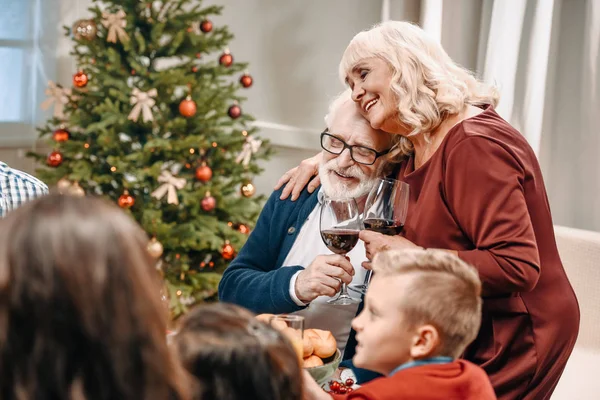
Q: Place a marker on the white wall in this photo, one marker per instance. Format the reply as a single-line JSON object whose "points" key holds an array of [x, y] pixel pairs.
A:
{"points": [[293, 48]]}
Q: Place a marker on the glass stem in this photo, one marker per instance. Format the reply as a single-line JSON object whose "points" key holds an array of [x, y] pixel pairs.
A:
{"points": [[367, 278]]}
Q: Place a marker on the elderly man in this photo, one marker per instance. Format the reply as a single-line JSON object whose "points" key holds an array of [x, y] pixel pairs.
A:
{"points": [[17, 187], [284, 266]]}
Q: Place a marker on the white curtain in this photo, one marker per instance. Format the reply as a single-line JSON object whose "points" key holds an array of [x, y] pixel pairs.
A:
{"points": [[544, 56]]}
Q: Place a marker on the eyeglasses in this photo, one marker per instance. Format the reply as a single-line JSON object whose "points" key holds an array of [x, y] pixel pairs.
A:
{"points": [[360, 154]]}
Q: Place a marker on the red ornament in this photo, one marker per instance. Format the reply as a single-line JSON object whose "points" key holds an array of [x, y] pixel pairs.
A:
{"points": [[208, 202], [243, 229], [60, 135], [226, 59], [204, 173], [187, 107], [246, 80], [227, 252], [80, 79], [206, 26], [234, 111], [54, 159], [126, 200], [349, 382]]}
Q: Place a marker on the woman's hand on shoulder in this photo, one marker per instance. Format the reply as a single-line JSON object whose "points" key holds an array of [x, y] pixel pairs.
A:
{"points": [[298, 177]]}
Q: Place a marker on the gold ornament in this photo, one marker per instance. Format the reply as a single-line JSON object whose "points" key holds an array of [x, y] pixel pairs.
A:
{"points": [[84, 29], [76, 190], [155, 248], [63, 185], [248, 189]]}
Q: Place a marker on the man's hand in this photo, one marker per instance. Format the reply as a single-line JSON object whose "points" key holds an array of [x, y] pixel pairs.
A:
{"points": [[322, 277]]}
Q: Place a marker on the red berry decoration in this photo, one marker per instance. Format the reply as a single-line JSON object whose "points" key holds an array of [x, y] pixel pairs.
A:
{"points": [[206, 26], [204, 173], [208, 202], [234, 111], [246, 80], [80, 79], [334, 386], [54, 159], [126, 200], [226, 59], [187, 107], [61, 135], [349, 382]]}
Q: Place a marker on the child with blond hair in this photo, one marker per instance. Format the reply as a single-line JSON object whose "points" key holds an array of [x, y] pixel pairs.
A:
{"points": [[422, 309]]}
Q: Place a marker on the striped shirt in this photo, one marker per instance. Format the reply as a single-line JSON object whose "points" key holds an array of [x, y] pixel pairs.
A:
{"points": [[17, 187]]}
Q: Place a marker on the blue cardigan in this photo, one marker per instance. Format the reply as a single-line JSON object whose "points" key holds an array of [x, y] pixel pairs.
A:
{"points": [[254, 278]]}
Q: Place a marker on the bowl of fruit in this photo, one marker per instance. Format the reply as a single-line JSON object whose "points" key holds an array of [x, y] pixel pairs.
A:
{"points": [[321, 355], [316, 348]]}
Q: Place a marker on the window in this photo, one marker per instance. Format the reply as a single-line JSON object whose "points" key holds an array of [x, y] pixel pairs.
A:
{"points": [[27, 58]]}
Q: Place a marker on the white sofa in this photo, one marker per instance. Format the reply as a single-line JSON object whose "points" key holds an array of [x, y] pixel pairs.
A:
{"points": [[580, 253]]}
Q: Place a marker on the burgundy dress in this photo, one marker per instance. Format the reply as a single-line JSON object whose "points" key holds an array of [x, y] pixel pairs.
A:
{"points": [[482, 194]]}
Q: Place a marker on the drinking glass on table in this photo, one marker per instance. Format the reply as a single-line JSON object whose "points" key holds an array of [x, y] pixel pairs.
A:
{"points": [[385, 212], [340, 224], [292, 327]]}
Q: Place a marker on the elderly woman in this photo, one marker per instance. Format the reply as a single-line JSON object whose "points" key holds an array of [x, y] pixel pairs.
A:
{"points": [[476, 191]]}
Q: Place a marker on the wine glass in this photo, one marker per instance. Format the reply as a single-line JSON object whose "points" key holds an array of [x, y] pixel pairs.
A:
{"points": [[340, 225], [385, 212], [293, 327]]}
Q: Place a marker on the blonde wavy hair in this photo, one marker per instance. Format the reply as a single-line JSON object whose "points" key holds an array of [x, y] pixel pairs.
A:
{"points": [[429, 86]]}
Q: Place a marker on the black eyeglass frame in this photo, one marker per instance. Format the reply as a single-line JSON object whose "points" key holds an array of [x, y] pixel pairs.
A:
{"points": [[350, 148]]}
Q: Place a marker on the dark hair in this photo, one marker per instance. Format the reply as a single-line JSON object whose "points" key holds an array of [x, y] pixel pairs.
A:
{"points": [[80, 311], [233, 356]]}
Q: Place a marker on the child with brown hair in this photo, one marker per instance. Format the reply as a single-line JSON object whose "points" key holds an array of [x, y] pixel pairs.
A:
{"points": [[422, 309], [231, 355], [80, 309]]}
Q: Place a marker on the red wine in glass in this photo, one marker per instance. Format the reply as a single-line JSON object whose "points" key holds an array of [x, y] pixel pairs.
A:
{"points": [[384, 226], [339, 226], [340, 241], [385, 212]]}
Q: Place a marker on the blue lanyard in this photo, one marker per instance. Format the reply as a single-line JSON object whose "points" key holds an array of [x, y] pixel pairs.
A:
{"points": [[427, 361]]}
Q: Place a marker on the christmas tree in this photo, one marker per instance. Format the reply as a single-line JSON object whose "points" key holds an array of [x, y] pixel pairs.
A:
{"points": [[153, 121]]}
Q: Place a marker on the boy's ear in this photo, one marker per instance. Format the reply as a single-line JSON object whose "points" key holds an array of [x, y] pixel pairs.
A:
{"points": [[425, 342]]}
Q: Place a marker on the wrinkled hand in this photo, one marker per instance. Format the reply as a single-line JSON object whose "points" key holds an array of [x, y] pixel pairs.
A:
{"points": [[376, 242], [311, 389], [296, 178], [322, 277]]}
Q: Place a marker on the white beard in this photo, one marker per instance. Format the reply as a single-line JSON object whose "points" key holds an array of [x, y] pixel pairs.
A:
{"points": [[336, 189]]}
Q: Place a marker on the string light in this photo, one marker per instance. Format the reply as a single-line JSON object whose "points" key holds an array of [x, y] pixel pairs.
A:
{"points": [[113, 169], [179, 293], [214, 144], [87, 145], [192, 151], [245, 133]]}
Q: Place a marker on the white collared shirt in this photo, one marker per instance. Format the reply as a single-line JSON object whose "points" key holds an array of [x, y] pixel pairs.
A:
{"points": [[319, 314]]}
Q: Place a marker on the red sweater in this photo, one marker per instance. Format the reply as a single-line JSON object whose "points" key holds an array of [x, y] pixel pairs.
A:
{"points": [[458, 380]]}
